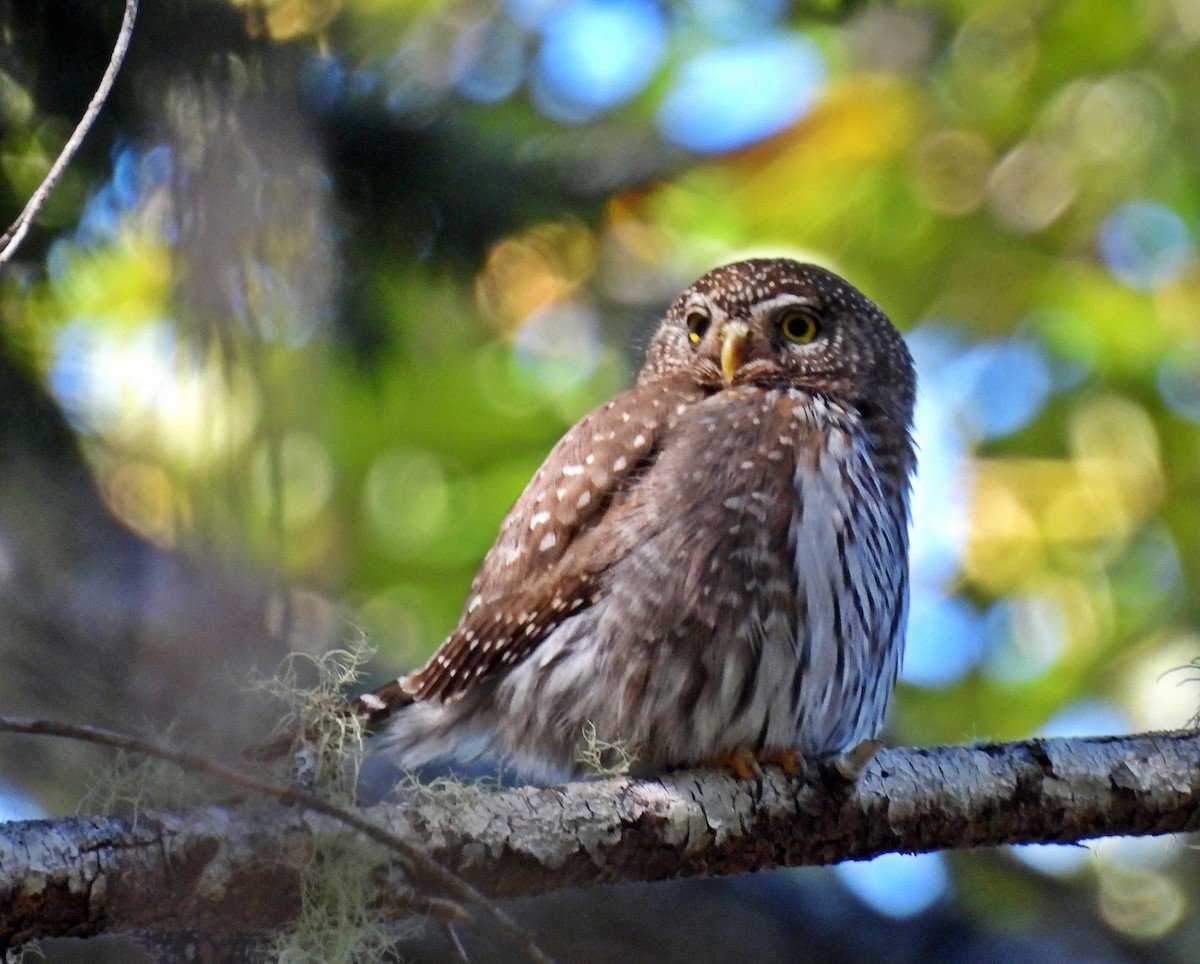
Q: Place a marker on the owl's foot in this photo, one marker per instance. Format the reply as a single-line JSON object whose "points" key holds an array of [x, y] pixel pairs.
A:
{"points": [[740, 761], [851, 764], [786, 758], [745, 764]]}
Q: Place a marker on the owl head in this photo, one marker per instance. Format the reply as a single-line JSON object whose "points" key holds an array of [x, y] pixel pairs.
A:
{"points": [[776, 323]]}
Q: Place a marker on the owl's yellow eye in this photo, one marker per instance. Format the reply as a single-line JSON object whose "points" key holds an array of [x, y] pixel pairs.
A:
{"points": [[799, 325], [697, 324]]}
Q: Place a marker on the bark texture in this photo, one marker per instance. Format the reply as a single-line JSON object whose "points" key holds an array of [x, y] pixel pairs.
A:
{"points": [[220, 869]]}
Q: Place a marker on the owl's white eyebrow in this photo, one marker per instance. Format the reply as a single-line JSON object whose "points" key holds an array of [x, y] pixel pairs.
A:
{"points": [[767, 305]]}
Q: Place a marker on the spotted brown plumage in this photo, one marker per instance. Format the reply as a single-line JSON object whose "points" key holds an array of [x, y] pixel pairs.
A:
{"points": [[549, 555], [709, 566]]}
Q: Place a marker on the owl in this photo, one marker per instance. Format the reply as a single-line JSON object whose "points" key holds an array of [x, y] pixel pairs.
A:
{"points": [[712, 567]]}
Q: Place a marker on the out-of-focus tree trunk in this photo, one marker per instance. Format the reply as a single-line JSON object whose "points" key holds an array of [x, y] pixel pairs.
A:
{"points": [[100, 625]]}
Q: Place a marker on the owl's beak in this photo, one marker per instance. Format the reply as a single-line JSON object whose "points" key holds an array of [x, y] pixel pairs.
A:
{"points": [[733, 347]]}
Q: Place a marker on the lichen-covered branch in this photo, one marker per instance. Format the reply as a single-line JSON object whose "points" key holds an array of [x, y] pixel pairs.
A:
{"points": [[237, 870]]}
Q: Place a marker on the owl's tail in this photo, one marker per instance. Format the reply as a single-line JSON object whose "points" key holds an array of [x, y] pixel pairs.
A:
{"points": [[425, 732], [415, 733], [412, 733], [464, 737]]}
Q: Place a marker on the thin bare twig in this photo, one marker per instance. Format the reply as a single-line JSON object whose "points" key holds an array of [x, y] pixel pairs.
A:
{"points": [[12, 238], [460, 952], [424, 868]]}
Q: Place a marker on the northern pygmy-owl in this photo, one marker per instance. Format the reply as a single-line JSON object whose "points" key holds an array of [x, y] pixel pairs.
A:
{"points": [[710, 567]]}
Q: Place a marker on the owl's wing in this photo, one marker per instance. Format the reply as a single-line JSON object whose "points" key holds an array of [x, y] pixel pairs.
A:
{"points": [[544, 566]]}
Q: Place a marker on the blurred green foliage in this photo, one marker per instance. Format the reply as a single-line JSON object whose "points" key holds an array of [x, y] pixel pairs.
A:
{"points": [[327, 297]]}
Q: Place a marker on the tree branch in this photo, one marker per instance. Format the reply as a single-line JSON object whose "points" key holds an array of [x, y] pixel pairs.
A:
{"points": [[239, 870], [420, 868], [12, 238]]}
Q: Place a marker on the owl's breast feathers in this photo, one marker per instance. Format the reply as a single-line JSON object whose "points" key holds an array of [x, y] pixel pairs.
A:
{"points": [[764, 586], [702, 493]]}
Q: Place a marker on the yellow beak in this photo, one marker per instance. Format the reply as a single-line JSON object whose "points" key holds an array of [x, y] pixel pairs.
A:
{"points": [[733, 347]]}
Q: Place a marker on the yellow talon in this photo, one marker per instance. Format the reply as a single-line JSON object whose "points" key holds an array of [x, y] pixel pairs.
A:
{"points": [[740, 761], [744, 763], [787, 759]]}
